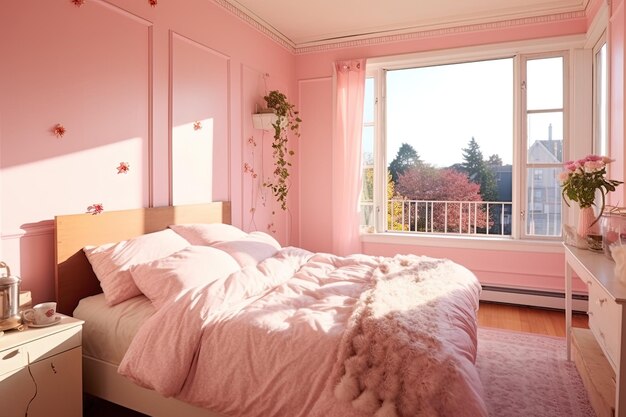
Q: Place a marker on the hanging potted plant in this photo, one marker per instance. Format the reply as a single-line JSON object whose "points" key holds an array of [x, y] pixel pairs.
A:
{"points": [[287, 122]]}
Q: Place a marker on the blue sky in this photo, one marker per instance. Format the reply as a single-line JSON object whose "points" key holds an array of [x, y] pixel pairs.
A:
{"points": [[439, 109]]}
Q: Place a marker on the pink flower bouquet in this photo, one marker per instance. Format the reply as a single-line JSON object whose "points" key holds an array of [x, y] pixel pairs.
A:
{"points": [[581, 179]]}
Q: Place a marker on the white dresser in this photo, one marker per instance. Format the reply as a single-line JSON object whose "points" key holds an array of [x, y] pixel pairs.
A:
{"points": [[607, 296], [41, 371]]}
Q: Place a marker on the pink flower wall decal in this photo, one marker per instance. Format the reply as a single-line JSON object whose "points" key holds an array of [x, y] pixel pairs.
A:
{"points": [[247, 169], [197, 125], [123, 168], [251, 141], [153, 2], [96, 208], [78, 3], [59, 130]]}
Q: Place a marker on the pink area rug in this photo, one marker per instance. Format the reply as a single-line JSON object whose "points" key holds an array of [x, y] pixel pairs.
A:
{"points": [[528, 375]]}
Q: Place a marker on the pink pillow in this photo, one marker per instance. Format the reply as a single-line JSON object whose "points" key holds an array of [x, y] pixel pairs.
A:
{"points": [[110, 262], [208, 234], [250, 250], [163, 280]]}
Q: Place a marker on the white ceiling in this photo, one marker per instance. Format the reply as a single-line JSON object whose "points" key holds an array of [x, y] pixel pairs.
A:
{"points": [[306, 23]]}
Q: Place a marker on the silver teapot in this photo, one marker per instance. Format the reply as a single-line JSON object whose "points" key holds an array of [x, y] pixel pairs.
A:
{"points": [[9, 300]]}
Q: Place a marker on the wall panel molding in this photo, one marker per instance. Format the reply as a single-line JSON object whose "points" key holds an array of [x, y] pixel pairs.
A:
{"points": [[150, 96], [246, 73], [175, 37]]}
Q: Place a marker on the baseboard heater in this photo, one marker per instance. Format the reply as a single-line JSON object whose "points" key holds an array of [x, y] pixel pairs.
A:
{"points": [[535, 298]]}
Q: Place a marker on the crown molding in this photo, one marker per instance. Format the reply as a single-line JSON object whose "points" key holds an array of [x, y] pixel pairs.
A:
{"points": [[391, 35], [400, 36], [259, 25]]}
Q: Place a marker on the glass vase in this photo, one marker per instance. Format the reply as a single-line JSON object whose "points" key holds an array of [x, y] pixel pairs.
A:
{"points": [[589, 228], [613, 225]]}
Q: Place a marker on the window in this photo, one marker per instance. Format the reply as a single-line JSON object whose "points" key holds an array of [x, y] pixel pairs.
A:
{"points": [[439, 146], [543, 102], [367, 190]]}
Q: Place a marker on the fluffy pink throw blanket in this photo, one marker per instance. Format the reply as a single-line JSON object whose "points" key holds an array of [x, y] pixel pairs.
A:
{"points": [[393, 360]]}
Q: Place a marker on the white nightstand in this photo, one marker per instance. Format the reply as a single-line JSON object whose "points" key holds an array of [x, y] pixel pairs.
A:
{"points": [[43, 365]]}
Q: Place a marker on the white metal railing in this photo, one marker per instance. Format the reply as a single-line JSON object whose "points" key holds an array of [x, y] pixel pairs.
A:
{"points": [[450, 217]]}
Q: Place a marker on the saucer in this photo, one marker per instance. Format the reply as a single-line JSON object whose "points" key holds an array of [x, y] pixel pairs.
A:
{"points": [[57, 319]]}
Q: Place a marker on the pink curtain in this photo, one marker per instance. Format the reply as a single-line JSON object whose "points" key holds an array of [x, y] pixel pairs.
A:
{"points": [[347, 171]]}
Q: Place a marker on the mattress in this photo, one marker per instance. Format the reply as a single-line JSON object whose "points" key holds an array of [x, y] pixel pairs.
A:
{"points": [[108, 331]]}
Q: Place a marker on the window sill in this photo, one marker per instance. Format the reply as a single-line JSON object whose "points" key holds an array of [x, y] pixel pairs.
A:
{"points": [[466, 242]]}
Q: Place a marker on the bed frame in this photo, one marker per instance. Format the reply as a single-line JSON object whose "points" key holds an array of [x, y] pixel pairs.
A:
{"points": [[75, 279]]}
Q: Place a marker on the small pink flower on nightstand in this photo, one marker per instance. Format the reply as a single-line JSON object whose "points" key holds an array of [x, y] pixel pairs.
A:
{"points": [[95, 208], [123, 168], [78, 3], [197, 125], [59, 130]]}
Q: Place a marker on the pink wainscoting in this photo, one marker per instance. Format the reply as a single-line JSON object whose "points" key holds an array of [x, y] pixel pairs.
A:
{"points": [[520, 269], [125, 79]]}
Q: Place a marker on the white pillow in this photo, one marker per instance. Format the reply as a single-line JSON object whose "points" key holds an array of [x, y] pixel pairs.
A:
{"points": [[264, 237], [208, 234], [163, 280], [110, 262], [251, 249]]}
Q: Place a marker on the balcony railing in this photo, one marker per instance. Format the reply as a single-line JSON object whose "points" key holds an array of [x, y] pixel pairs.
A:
{"points": [[448, 217]]}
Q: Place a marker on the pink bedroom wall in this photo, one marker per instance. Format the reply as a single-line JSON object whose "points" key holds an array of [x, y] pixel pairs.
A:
{"points": [[119, 75], [617, 76], [315, 164], [510, 268]]}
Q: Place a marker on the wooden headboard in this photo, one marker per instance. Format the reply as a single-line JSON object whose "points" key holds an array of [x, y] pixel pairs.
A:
{"points": [[75, 278]]}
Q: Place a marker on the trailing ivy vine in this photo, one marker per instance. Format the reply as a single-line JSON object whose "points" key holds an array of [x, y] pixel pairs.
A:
{"points": [[287, 121]]}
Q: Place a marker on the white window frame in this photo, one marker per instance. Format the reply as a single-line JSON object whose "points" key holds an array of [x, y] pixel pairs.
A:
{"points": [[522, 163], [578, 102]]}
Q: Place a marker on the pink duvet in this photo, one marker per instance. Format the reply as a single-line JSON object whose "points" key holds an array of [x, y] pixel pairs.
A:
{"points": [[270, 340]]}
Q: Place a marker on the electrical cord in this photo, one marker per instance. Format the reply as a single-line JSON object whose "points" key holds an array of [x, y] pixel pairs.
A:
{"points": [[34, 382]]}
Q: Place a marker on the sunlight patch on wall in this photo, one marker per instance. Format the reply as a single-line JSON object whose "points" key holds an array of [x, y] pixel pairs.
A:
{"points": [[69, 183], [192, 162]]}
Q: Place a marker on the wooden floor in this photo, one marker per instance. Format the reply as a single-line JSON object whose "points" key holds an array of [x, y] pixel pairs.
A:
{"points": [[502, 316], [527, 319]]}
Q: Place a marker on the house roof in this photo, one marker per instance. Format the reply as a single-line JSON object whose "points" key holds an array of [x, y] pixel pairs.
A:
{"points": [[547, 151]]}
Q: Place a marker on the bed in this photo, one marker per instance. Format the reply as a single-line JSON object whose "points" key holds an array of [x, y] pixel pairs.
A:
{"points": [[337, 329]]}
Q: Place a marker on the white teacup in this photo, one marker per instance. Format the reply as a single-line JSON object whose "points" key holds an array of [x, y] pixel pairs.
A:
{"points": [[44, 313]]}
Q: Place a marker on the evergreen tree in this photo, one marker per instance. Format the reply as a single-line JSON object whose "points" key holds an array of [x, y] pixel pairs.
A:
{"points": [[494, 160], [405, 159], [479, 172]]}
